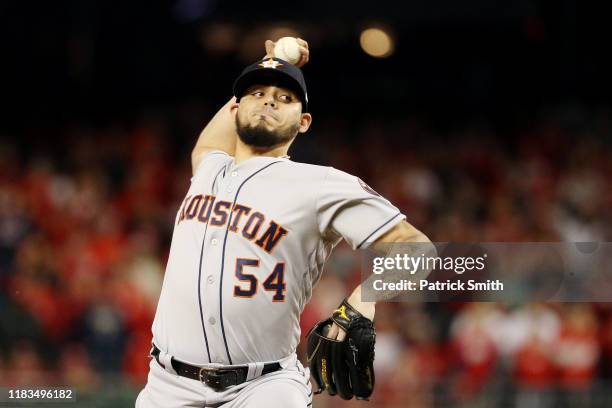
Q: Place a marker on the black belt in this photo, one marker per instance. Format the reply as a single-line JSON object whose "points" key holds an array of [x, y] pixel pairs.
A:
{"points": [[216, 378]]}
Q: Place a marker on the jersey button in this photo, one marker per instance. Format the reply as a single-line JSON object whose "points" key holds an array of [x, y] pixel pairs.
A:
{"points": [[234, 174], [214, 241], [229, 189], [212, 320], [210, 279]]}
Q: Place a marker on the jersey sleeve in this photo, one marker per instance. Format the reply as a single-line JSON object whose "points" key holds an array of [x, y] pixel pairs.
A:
{"points": [[211, 163], [348, 208]]}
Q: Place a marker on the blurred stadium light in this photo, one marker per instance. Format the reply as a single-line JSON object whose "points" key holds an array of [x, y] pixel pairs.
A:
{"points": [[376, 42], [187, 11], [220, 38]]}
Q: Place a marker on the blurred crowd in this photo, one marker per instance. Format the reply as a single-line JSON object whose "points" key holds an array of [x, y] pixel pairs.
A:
{"points": [[85, 226]]}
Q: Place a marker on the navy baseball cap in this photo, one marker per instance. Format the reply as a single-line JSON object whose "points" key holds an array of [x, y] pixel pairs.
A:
{"points": [[273, 71]]}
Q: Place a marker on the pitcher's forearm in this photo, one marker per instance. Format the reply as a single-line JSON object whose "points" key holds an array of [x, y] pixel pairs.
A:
{"points": [[365, 308], [387, 245], [219, 134]]}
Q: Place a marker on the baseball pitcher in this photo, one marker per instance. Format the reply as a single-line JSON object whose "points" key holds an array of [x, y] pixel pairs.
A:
{"points": [[250, 241]]}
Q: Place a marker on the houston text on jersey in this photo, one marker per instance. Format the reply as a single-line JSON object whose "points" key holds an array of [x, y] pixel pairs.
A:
{"points": [[206, 209]]}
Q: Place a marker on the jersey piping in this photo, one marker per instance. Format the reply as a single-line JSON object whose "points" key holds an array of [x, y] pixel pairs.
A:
{"points": [[223, 257]]}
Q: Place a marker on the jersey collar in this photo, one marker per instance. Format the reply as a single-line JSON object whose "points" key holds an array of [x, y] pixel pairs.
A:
{"points": [[253, 163]]}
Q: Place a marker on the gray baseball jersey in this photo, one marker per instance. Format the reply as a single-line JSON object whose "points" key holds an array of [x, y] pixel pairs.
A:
{"points": [[249, 244]]}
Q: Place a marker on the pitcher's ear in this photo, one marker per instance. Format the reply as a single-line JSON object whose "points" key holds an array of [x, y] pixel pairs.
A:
{"points": [[234, 107], [305, 122]]}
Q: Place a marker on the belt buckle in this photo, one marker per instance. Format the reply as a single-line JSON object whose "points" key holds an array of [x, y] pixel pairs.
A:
{"points": [[211, 377]]}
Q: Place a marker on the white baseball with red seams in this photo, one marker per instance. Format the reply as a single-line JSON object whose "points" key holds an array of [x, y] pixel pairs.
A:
{"points": [[288, 49], [249, 244]]}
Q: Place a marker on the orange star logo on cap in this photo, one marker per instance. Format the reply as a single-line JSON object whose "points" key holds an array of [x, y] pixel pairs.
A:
{"points": [[270, 63]]}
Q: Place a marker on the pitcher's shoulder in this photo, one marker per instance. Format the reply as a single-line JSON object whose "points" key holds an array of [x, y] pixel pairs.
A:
{"points": [[211, 163], [311, 171]]}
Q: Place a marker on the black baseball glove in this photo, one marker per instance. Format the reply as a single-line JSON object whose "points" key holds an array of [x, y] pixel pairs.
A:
{"points": [[343, 367]]}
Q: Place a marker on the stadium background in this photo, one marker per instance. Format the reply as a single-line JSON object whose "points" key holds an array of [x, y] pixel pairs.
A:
{"points": [[490, 121]]}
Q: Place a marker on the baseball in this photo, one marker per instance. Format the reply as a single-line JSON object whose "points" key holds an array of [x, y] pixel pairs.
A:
{"points": [[288, 49]]}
